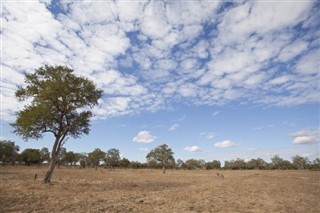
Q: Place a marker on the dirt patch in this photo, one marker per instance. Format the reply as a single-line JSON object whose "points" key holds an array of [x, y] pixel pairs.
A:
{"points": [[87, 190]]}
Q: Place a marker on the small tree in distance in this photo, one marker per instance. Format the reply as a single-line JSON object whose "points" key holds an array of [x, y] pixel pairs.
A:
{"points": [[112, 158], [45, 154], [256, 164], [163, 154], [59, 102], [95, 157], [300, 163], [31, 156], [124, 163]]}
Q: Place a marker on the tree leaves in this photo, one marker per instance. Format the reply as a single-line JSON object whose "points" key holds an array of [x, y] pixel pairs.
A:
{"points": [[58, 102], [161, 154]]}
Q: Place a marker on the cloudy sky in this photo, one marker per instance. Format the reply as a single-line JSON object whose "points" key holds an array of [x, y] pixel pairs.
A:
{"points": [[213, 80]]}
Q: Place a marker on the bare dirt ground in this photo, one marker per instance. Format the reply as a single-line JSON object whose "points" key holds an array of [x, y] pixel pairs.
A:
{"points": [[87, 190]]}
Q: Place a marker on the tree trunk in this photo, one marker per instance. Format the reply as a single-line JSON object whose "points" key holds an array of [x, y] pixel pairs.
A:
{"points": [[60, 136], [54, 159], [163, 169], [47, 178]]}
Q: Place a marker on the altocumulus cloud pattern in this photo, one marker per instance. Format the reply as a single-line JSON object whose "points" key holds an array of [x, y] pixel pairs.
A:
{"points": [[151, 55]]}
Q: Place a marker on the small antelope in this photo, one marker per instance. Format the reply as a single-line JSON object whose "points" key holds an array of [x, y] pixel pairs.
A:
{"points": [[35, 176], [220, 175]]}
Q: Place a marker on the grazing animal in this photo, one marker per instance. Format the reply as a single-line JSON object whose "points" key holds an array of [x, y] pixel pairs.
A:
{"points": [[220, 175], [35, 176]]}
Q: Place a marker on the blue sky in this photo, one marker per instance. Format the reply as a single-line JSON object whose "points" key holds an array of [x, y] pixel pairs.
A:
{"points": [[213, 80]]}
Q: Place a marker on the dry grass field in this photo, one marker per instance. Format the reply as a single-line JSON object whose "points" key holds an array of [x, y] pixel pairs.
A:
{"points": [[87, 190]]}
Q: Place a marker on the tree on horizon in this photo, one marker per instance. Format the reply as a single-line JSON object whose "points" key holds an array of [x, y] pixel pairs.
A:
{"points": [[162, 154]]}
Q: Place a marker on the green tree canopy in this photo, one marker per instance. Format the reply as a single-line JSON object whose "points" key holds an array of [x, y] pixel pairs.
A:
{"points": [[112, 158], [61, 156], [95, 157], [163, 154], [195, 164], [316, 164], [45, 154], [59, 105], [256, 164], [71, 158], [124, 163], [279, 163], [215, 164], [31, 156], [180, 164], [299, 162], [8, 151]]}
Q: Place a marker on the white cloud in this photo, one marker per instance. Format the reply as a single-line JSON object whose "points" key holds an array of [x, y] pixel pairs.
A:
{"points": [[91, 12], [210, 135], [215, 113], [191, 31], [173, 127], [154, 22], [253, 16], [144, 137], [189, 64], [130, 12], [309, 64], [113, 82], [187, 13], [292, 50], [192, 149], [255, 79], [112, 107], [188, 90], [201, 49], [281, 80], [305, 136], [305, 140], [225, 144], [165, 64]]}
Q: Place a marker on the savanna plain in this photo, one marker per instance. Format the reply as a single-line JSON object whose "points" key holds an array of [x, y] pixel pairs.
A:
{"points": [[126, 190]]}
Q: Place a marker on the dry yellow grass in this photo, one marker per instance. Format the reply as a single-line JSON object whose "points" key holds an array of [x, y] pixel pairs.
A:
{"points": [[87, 190]]}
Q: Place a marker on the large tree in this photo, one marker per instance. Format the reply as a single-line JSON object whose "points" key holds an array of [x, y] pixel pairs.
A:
{"points": [[59, 105], [163, 154]]}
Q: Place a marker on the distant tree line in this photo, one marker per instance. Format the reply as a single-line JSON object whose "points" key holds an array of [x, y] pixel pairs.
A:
{"points": [[158, 158]]}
